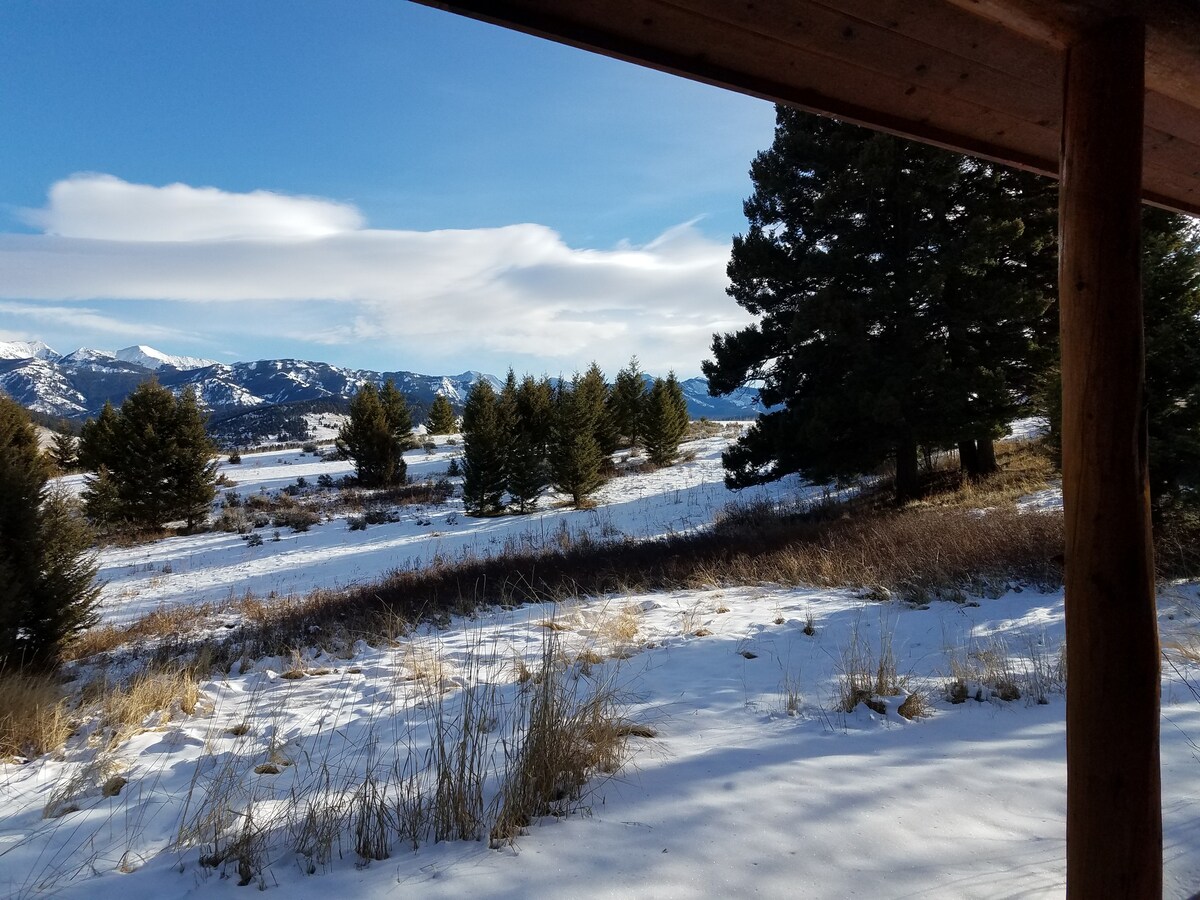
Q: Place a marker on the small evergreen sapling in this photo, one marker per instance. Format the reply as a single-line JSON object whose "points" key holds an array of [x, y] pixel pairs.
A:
{"points": [[441, 417]]}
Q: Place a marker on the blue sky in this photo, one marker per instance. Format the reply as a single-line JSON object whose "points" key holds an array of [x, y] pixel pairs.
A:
{"points": [[374, 184]]}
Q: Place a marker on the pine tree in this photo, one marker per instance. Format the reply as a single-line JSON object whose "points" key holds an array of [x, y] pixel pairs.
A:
{"points": [[901, 298], [193, 464], [1171, 299], [152, 461], [441, 417], [528, 464], [576, 458], [665, 421], [64, 450], [399, 425], [627, 401], [96, 440], [484, 452], [593, 394], [376, 434], [47, 577]]}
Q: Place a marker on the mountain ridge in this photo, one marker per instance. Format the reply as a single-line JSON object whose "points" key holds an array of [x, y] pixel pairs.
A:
{"points": [[76, 385]]}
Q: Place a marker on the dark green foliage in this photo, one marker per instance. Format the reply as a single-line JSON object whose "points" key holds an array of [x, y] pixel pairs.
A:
{"points": [[376, 435], [902, 296], [441, 417], [1171, 310], [627, 401], [528, 468], [65, 451], [96, 439], [47, 589], [1171, 297], [576, 459], [665, 420], [192, 470], [485, 442], [593, 398], [153, 461]]}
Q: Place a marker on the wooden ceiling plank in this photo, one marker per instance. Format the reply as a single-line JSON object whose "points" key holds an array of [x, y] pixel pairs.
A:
{"points": [[1171, 189], [941, 24], [814, 29], [1173, 65], [1171, 153], [1170, 116], [1054, 24]]}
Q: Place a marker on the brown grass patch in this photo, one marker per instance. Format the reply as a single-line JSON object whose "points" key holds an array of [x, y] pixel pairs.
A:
{"points": [[126, 710], [572, 731], [1025, 467], [33, 716]]}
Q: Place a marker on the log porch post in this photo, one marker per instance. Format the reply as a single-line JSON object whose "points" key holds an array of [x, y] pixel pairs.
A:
{"points": [[1114, 823]]}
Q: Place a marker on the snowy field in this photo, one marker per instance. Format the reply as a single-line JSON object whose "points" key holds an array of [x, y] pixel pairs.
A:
{"points": [[218, 567], [754, 783]]}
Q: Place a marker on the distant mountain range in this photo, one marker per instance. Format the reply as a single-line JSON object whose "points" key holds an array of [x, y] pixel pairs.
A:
{"points": [[76, 385]]}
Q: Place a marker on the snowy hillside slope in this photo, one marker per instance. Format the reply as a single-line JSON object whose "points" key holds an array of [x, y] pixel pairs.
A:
{"points": [[752, 779]]}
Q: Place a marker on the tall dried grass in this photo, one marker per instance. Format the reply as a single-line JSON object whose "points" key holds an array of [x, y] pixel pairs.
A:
{"points": [[33, 715]]}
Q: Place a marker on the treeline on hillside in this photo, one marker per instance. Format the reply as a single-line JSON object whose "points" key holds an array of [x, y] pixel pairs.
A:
{"points": [[533, 435], [529, 436], [280, 423], [905, 303]]}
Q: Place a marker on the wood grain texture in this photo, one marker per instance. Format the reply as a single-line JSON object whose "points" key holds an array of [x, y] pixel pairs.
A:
{"points": [[1114, 829]]}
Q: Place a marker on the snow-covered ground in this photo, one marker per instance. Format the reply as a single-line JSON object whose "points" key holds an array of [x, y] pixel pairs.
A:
{"points": [[754, 783], [216, 567]]}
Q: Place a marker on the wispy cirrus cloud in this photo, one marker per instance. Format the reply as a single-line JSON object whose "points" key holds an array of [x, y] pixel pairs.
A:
{"points": [[512, 290]]}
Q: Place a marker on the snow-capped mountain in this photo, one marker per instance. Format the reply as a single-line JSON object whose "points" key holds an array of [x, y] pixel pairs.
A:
{"points": [[25, 350], [77, 385], [155, 359]]}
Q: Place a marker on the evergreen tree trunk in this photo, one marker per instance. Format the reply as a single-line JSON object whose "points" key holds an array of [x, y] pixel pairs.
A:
{"points": [[986, 455], [908, 481], [968, 458]]}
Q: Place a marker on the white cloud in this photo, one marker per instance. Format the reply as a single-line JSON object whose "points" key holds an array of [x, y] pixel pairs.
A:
{"points": [[103, 207], [85, 320], [515, 290]]}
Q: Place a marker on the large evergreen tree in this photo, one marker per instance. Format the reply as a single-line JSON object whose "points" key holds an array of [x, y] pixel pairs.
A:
{"points": [[96, 439], [665, 421], [441, 416], [900, 292], [47, 577], [485, 441], [527, 468], [627, 402], [576, 458], [153, 461], [1171, 298], [593, 399], [376, 435]]}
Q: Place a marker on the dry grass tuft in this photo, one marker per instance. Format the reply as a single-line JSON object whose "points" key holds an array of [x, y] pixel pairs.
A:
{"points": [[126, 710], [915, 706], [1185, 648], [33, 715], [864, 675], [572, 730]]}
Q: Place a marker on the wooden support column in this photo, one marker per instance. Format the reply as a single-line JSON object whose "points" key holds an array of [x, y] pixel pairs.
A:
{"points": [[1114, 822]]}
